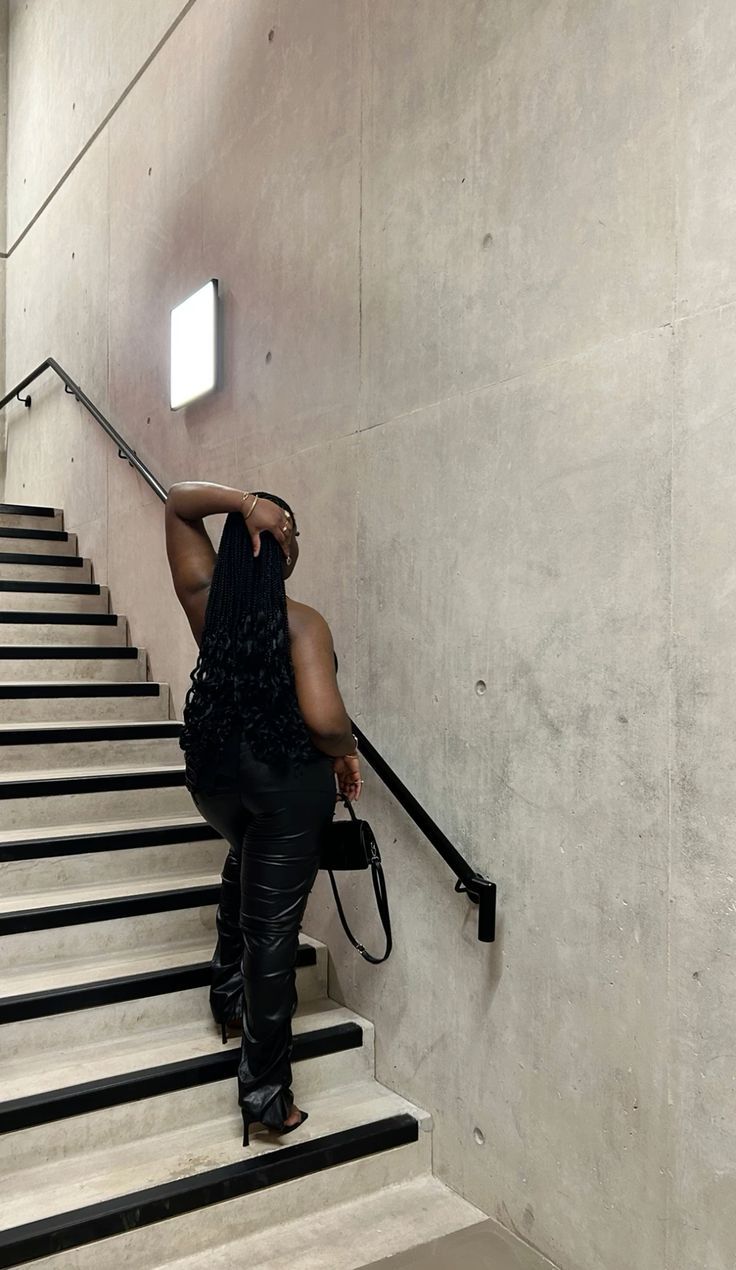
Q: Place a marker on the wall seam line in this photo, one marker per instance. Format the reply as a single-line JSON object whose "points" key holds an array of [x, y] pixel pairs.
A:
{"points": [[5, 255]]}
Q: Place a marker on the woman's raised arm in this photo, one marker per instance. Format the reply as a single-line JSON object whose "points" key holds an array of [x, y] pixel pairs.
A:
{"points": [[191, 554]]}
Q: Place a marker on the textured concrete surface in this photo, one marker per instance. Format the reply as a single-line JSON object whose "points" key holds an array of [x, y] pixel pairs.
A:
{"points": [[483, 1246], [480, 304]]}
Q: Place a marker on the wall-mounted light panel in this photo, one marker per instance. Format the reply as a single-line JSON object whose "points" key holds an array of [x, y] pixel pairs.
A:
{"points": [[195, 343]]}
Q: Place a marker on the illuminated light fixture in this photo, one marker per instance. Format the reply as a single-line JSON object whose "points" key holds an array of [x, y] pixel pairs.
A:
{"points": [[195, 346]]}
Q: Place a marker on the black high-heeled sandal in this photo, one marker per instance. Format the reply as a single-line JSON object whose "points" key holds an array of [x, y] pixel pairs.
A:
{"points": [[280, 1131], [230, 1028]]}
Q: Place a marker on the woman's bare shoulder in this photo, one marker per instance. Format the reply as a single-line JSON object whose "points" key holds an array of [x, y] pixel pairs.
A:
{"points": [[307, 623]]}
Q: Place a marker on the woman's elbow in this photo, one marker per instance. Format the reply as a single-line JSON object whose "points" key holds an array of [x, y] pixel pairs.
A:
{"points": [[335, 741]]}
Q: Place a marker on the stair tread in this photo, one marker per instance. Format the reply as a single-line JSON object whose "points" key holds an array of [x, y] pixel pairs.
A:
{"points": [[99, 827], [77, 773], [105, 891], [347, 1235], [93, 1176], [79, 725], [121, 1054], [74, 971], [37, 684]]}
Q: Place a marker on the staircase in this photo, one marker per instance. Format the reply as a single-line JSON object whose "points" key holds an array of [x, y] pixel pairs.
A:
{"points": [[120, 1138]]}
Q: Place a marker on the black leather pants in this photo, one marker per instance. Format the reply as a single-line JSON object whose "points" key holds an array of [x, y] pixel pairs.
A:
{"points": [[273, 821]]}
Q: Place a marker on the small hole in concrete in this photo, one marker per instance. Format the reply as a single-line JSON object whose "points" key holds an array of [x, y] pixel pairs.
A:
{"points": [[480, 687], [487, 241], [479, 1136], [74, 255], [148, 420], [71, 459], [74, 105], [271, 35], [150, 170], [268, 358]]}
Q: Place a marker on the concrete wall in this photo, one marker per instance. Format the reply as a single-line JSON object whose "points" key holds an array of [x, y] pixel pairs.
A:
{"points": [[488, 246]]}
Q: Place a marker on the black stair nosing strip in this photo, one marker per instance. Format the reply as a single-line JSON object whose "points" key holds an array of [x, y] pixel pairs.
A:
{"points": [[49, 588], [117, 840], [125, 1213], [83, 912], [25, 617], [100, 783], [68, 652], [167, 1078], [25, 509], [63, 734], [27, 557], [136, 987], [70, 688], [33, 535]]}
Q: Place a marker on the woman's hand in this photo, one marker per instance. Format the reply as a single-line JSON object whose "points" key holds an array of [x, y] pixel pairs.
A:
{"points": [[267, 517], [347, 771]]}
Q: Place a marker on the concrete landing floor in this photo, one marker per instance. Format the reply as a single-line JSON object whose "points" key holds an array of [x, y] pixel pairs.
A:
{"points": [[484, 1246]]}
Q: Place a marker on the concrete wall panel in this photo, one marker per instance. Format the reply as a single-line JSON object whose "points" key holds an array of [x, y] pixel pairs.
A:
{"points": [[554, 781], [71, 60], [706, 38], [703, 938], [518, 178]]}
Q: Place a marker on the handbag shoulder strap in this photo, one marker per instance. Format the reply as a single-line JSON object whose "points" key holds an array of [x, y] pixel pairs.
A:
{"points": [[379, 889]]}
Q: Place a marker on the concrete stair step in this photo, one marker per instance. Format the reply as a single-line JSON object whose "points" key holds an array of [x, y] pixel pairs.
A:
{"points": [[88, 745], [159, 1096], [85, 797], [37, 542], [53, 597], [53, 701], [133, 992], [63, 663], [167, 848], [96, 629], [140, 1180], [19, 566], [342, 1221], [39, 910], [157, 1103], [341, 1236], [20, 516], [94, 1056], [56, 940]]}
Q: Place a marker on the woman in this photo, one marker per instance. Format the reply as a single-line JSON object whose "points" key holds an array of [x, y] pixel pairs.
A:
{"points": [[265, 733]]}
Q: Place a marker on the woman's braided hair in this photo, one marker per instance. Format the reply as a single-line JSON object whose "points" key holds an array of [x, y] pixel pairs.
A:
{"points": [[244, 678]]}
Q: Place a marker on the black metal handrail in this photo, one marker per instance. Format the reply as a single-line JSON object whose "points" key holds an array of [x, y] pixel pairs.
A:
{"points": [[469, 882], [124, 450]]}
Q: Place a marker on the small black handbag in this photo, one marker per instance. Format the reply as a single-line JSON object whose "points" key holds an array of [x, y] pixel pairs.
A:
{"points": [[351, 844]]}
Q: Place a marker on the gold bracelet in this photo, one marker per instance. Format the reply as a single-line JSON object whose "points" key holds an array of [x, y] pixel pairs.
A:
{"points": [[248, 514]]}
